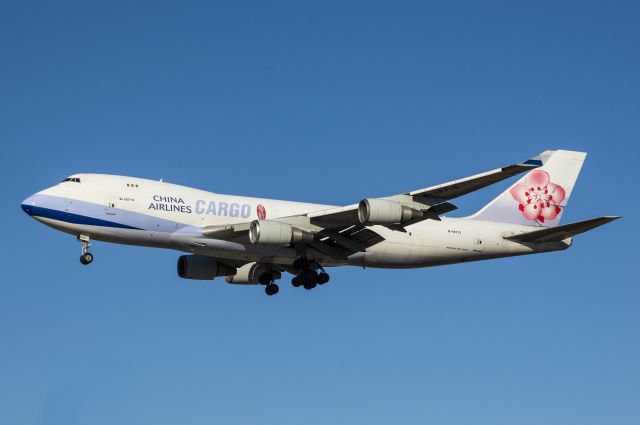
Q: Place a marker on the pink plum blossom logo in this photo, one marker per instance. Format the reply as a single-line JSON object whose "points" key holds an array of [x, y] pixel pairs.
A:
{"points": [[538, 198], [262, 212]]}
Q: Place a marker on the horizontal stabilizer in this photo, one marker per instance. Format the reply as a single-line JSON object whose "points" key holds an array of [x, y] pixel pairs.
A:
{"points": [[562, 232]]}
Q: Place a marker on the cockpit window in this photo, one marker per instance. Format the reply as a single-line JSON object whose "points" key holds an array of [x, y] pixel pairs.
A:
{"points": [[71, 179]]}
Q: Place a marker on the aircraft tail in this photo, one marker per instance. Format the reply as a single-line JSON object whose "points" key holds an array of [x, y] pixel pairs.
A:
{"points": [[540, 197]]}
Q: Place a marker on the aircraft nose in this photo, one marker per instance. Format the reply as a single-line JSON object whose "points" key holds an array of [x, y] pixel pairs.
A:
{"points": [[28, 205]]}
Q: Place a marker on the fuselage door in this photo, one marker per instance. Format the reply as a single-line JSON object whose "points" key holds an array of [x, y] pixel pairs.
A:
{"points": [[111, 206], [478, 244]]}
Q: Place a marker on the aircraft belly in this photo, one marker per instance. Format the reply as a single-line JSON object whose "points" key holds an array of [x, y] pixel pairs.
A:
{"points": [[392, 255], [388, 254], [427, 244]]}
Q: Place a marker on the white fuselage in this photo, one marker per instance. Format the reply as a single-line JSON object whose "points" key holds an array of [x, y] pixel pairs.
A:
{"points": [[135, 211]]}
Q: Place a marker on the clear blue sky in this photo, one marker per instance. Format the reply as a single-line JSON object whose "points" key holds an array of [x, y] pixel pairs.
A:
{"points": [[324, 102]]}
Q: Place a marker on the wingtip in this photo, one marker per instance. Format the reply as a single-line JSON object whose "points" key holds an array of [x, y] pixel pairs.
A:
{"points": [[539, 159], [532, 162]]}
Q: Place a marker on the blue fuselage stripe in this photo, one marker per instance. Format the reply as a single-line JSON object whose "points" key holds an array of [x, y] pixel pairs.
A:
{"points": [[36, 211]]}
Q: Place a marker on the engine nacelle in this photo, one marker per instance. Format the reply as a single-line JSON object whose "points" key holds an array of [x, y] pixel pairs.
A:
{"points": [[249, 274], [273, 232], [201, 267], [384, 211]]}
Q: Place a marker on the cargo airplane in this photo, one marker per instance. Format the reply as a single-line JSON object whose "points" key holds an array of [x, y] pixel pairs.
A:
{"points": [[255, 240]]}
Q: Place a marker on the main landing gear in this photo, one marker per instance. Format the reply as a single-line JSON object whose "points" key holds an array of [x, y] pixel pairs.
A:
{"points": [[86, 257], [268, 280], [309, 274]]}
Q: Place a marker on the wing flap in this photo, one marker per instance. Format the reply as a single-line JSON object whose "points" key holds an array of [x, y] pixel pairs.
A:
{"points": [[347, 241]]}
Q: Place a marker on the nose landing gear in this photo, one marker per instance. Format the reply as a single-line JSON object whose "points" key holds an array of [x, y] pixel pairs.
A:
{"points": [[86, 257]]}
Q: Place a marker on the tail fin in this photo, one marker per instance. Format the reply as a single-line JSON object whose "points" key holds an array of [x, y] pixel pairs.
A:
{"points": [[540, 197]]}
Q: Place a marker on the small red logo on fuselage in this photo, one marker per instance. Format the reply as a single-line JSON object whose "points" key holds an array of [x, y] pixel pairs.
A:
{"points": [[262, 212]]}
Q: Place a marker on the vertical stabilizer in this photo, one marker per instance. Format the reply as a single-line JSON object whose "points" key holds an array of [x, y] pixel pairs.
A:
{"points": [[540, 197]]}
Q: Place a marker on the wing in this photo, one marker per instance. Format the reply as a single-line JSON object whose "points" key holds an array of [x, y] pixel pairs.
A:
{"points": [[335, 241], [456, 188], [433, 198], [343, 231]]}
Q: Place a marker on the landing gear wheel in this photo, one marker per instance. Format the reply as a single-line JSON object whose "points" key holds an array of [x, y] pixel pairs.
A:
{"points": [[271, 289], [322, 278], [308, 276], [86, 258], [296, 281]]}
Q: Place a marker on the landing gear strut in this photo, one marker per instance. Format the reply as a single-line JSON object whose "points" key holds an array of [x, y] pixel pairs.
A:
{"points": [[268, 280], [309, 274], [86, 257]]}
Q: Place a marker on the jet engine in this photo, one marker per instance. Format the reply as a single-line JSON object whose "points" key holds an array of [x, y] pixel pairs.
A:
{"points": [[249, 274], [384, 211], [273, 232], [201, 267]]}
